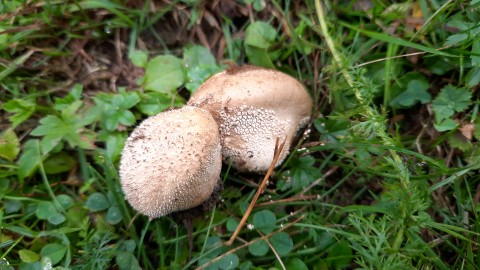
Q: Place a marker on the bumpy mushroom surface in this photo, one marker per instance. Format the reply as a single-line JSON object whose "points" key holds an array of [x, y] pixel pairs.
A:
{"points": [[171, 162], [253, 107]]}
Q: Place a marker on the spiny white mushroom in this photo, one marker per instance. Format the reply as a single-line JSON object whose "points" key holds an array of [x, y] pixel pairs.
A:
{"points": [[253, 107], [171, 162]]}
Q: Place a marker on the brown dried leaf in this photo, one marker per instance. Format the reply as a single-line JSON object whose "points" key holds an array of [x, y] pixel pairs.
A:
{"points": [[467, 130]]}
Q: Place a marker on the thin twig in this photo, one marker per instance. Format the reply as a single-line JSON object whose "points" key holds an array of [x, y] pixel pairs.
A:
{"points": [[274, 251], [276, 156], [398, 56], [316, 182], [291, 199]]}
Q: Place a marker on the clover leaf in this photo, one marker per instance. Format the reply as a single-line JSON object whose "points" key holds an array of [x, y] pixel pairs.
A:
{"points": [[115, 108], [415, 88], [22, 109], [68, 127], [450, 100]]}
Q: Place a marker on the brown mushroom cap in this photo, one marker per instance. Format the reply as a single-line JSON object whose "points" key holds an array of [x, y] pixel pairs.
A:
{"points": [[171, 162], [253, 107]]}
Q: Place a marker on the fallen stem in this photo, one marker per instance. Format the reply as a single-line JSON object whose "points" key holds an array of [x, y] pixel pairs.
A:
{"points": [[288, 200], [276, 156]]}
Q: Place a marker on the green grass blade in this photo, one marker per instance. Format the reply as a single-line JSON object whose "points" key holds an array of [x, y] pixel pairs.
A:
{"points": [[395, 40]]}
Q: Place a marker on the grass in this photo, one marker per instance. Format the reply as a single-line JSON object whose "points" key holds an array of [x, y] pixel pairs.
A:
{"points": [[386, 176]]}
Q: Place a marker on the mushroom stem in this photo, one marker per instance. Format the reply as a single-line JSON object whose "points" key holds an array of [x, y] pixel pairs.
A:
{"points": [[276, 156]]}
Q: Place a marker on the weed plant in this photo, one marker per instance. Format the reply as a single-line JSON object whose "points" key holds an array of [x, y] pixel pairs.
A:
{"points": [[384, 177]]}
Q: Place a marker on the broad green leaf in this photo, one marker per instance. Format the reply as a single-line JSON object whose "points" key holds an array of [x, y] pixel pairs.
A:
{"points": [[125, 100], [54, 251], [212, 242], [303, 171], [97, 202], [439, 65], [114, 142], [71, 111], [12, 206], [56, 219], [75, 216], [200, 64], [59, 162], [164, 73], [69, 127], [114, 216], [476, 52], [340, 254], [65, 201], [138, 58], [9, 145], [260, 34], [324, 240], [259, 56], [30, 159], [246, 265], [53, 129], [232, 224], [460, 22], [259, 5], [455, 39], [126, 261], [295, 264], [445, 125], [197, 56], [45, 210], [125, 118], [282, 242], [415, 91], [332, 129], [196, 75], [114, 108], [128, 245], [28, 256], [22, 109], [459, 142], [264, 221], [258, 248], [450, 100], [73, 96], [153, 103], [473, 77], [228, 262]]}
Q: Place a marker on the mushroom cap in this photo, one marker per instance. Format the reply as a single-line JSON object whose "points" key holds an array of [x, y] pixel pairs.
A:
{"points": [[254, 106], [171, 162]]}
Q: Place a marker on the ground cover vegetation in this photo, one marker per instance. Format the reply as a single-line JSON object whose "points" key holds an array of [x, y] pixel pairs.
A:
{"points": [[385, 176]]}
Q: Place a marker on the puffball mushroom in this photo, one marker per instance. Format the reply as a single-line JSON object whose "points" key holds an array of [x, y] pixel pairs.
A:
{"points": [[171, 162], [253, 107]]}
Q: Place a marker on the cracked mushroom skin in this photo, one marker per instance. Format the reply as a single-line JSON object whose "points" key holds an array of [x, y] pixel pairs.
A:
{"points": [[253, 107], [171, 162]]}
